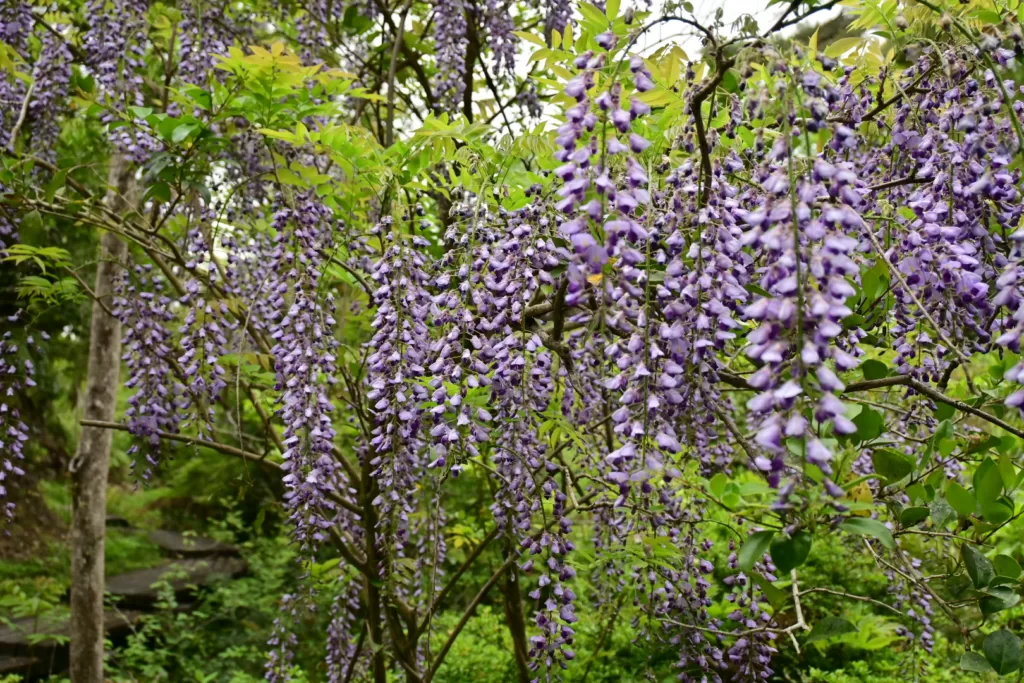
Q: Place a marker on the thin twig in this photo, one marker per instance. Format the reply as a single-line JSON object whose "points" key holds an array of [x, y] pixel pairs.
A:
{"points": [[92, 295], [21, 117], [909, 180], [851, 596]]}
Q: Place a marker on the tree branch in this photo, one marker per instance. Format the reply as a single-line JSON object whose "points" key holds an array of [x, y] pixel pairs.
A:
{"points": [[935, 395], [192, 440], [392, 68], [455, 578], [466, 616], [723, 65]]}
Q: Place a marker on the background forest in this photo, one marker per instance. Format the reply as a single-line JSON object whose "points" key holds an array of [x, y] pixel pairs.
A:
{"points": [[488, 340]]}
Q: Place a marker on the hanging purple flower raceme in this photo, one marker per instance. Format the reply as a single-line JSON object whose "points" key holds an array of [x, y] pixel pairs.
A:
{"points": [[115, 44], [206, 31], [750, 654], [398, 359], [8, 232], [304, 352], [558, 15], [16, 24], [915, 603], [651, 362], [283, 642], [344, 659], [500, 30], [145, 312], [809, 232], [16, 373], [52, 77], [450, 45], [505, 268], [204, 333]]}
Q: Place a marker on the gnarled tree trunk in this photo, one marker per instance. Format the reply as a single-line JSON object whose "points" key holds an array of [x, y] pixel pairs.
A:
{"points": [[91, 464]]}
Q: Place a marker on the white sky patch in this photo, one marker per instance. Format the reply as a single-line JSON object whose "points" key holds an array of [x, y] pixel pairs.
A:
{"points": [[704, 12]]}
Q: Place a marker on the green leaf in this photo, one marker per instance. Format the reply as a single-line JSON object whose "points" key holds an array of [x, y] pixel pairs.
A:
{"points": [[944, 411], [979, 568], [730, 82], [914, 515], [891, 464], [874, 282], [717, 484], [159, 191], [988, 482], [869, 425], [961, 499], [988, 16], [200, 97], [776, 597], [1007, 471], [972, 661], [943, 431], [1002, 650], [829, 627], [982, 445], [874, 369], [869, 527], [754, 548], [997, 600], [942, 511], [754, 289], [919, 493], [612, 9], [1006, 566], [56, 183], [998, 511], [593, 15], [182, 132], [356, 20], [789, 552]]}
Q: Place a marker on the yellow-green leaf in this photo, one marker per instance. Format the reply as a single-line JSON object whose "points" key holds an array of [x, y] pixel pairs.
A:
{"points": [[842, 46], [530, 38]]}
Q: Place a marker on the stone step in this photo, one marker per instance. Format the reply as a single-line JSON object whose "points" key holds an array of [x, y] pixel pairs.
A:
{"points": [[39, 646], [189, 545], [17, 665], [135, 590]]}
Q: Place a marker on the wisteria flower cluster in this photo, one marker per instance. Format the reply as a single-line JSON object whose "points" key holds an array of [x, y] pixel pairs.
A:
{"points": [[719, 310]]}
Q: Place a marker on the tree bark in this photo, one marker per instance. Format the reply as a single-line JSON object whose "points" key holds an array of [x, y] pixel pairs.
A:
{"points": [[378, 664], [91, 464], [514, 617]]}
